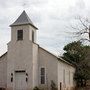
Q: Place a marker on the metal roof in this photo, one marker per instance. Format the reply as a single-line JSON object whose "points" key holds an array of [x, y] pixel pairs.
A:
{"points": [[23, 19]]}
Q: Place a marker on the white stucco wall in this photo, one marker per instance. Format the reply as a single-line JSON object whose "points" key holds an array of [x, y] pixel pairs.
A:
{"points": [[65, 75], [50, 63], [35, 65], [3, 71], [20, 58], [55, 70], [20, 55], [30, 33]]}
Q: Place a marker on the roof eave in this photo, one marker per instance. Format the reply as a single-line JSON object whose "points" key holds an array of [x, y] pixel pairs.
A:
{"points": [[60, 59], [12, 25]]}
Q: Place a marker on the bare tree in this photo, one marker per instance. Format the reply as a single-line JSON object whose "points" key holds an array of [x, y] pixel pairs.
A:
{"points": [[83, 28]]}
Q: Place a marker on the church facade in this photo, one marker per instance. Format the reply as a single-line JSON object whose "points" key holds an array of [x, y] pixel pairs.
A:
{"points": [[26, 65]]}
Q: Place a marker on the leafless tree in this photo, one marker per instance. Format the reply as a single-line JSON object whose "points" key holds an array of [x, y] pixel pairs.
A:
{"points": [[83, 29]]}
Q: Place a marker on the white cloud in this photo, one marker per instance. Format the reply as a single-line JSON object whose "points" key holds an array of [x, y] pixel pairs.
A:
{"points": [[51, 17]]}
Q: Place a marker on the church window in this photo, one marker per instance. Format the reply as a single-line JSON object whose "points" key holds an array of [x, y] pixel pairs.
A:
{"points": [[20, 35], [33, 36], [42, 75], [69, 77], [64, 76], [11, 77]]}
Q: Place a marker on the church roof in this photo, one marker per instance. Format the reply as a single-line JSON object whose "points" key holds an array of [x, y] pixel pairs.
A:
{"points": [[23, 19], [3, 55]]}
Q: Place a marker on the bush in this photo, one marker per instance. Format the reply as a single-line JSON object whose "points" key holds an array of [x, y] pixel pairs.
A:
{"points": [[36, 88], [53, 85]]}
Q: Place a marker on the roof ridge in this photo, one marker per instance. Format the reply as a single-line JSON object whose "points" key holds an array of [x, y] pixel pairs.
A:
{"points": [[28, 18]]}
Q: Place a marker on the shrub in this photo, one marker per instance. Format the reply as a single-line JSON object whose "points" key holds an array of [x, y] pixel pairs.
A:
{"points": [[36, 88], [53, 85]]}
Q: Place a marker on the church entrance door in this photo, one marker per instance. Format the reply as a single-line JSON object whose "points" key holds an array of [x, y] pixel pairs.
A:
{"points": [[20, 81]]}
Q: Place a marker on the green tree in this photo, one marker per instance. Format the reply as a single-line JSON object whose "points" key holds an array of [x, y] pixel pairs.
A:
{"points": [[76, 53], [82, 74]]}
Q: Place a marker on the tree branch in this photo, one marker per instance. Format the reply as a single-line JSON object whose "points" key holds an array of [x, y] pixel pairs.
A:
{"points": [[83, 24]]}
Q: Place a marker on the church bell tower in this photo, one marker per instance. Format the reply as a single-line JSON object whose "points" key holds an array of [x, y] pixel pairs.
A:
{"points": [[23, 29], [22, 58]]}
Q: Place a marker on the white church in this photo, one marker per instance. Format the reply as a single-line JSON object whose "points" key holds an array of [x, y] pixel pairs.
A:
{"points": [[26, 65]]}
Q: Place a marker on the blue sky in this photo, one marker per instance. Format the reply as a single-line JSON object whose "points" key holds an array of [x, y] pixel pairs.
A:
{"points": [[52, 17]]}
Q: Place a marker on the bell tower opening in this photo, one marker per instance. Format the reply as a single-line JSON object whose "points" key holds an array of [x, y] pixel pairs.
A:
{"points": [[33, 36], [19, 34]]}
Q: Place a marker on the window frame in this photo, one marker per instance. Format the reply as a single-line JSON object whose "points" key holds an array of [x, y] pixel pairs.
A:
{"points": [[33, 37], [19, 35], [42, 76], [64, 78], [69, 77]]}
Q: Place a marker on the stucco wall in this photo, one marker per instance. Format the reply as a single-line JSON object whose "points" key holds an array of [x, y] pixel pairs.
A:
{"points": [[20, 58], [20, 55], [65, 75], [35, 65], [26, 32], [3, 71], [50, 63], [56, 70]]}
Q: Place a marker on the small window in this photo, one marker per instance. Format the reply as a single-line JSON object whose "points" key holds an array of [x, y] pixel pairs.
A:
{"points": [[64, 76], [42, 75], [32, 36], [69, 77], [20, 35]]}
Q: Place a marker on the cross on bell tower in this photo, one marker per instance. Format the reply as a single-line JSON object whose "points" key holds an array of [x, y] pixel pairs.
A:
{"points": [[24, 5]]}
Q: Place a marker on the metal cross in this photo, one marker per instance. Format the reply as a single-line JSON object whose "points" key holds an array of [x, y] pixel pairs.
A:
{"points": [[24, 5]]}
